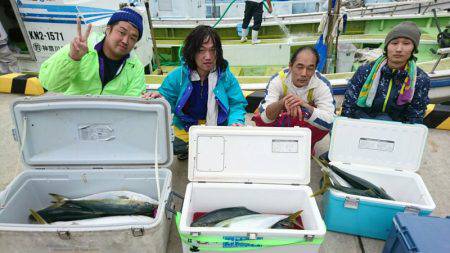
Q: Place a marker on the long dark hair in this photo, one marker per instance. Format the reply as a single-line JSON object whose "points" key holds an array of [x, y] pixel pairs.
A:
{"points": [[301, 49], [194, 42]]}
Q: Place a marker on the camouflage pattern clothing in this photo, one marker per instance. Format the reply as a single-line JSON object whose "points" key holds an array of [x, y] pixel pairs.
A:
{"points": [[409, 113]]}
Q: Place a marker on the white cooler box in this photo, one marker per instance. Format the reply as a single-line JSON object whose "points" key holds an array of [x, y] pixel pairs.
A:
{"points": [[77, 146], [266, 170], [386, 154]]}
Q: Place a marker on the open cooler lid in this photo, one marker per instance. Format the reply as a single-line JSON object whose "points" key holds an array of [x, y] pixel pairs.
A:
{"points": [[275, 155], [383, 144], [92, 131]]}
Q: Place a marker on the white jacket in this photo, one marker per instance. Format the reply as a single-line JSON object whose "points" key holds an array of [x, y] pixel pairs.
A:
{"points": [[324, 113]]}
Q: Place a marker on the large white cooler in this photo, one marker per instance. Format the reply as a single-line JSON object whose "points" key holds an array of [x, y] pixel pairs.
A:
{"points": [[266, 170], [387, 154], [76, 146]]}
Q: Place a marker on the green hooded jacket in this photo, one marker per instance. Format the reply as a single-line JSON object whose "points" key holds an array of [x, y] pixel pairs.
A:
{"points": [[60, 73]]}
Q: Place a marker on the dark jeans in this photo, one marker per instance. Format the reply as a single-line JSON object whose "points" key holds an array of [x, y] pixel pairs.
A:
{"points": [[255, 10]]}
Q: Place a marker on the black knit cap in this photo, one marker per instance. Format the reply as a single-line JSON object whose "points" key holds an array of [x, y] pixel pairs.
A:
{"points": [[407, 30]]}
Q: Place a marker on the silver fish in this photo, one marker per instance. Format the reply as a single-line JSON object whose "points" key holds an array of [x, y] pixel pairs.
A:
{"points": [[110, 221]]}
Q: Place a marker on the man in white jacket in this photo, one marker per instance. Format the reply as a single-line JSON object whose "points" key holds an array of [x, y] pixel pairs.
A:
{"points": [[299, 96]]}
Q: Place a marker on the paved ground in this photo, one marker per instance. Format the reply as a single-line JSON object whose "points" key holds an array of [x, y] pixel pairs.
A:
{"points": [[434, 171]]}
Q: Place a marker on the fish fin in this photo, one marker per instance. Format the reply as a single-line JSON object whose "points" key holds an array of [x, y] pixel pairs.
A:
{"points": [[325, 185], [293, 218], [58, 199], [37, 217]]}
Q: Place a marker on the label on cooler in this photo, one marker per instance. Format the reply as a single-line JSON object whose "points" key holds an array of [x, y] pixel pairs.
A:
{"points": [[284, 146], [96, 132], [376, 144]]}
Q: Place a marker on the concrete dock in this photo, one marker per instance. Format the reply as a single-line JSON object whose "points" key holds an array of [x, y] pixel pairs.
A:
{"points": [[435, 171]]}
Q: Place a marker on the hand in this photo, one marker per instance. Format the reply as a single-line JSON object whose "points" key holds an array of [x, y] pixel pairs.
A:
{"points": [[148, 95], [237, 124], [270, 9], [292, 105], [78, 46]]}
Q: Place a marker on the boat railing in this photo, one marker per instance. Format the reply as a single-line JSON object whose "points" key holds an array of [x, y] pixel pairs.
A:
{"points": [[371, 8], [442, 52]]}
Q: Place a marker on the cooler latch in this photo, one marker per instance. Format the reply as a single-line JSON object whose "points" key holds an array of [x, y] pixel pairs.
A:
{"points": [[15, 134], [64, 235], [195, 234], [137, 232], [252, 236], [309, 238], [412, 209], [352, 203]]}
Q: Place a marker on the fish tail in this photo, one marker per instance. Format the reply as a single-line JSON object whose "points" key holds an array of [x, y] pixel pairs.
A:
{"points": [[319, 192], [58, 199], [293, 218], [37, 217], [385, 195]]}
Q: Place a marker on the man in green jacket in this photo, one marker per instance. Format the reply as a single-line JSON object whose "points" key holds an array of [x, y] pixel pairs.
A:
{"points": [[99, 64]]}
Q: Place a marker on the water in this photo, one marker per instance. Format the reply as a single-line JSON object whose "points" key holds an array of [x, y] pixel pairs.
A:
{"points": [[284, 28]]}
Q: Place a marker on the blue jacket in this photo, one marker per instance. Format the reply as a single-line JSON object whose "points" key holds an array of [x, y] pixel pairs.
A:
{"points": [[177, 87], [409, 113]]}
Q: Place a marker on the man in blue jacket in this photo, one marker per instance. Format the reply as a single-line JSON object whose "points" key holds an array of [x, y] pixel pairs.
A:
{"points": [[392, 87], [203, 90]]}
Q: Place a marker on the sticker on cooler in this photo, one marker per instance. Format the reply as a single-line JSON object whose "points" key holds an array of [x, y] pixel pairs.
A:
{"points": [[236, 242]]}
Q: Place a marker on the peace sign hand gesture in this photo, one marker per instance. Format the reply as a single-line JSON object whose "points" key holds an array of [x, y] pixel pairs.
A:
{"points": [[78, 46]]}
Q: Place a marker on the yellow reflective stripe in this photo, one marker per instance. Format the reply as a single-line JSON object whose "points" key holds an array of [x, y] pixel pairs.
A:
{"points": [[430, 108], [310, 97], [283, 81], [387, 96]]}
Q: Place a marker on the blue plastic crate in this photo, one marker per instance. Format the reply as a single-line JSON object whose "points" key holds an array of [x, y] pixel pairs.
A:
{"points": [[412, 233]]}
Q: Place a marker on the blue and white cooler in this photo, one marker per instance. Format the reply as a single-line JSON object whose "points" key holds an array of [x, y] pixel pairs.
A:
{"points": [[412, 233], [386, 154]]}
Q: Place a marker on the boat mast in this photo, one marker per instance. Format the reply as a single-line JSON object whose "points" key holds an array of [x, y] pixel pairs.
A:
{"points": [[152, 34], [338, 7], [332, 17]]}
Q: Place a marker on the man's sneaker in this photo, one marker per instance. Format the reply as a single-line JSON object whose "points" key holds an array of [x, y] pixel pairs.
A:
{"points": [[243, 39]]}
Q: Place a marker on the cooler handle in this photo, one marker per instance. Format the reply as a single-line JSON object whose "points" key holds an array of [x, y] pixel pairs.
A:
{"points": [[170, 201], [404, 233]]}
